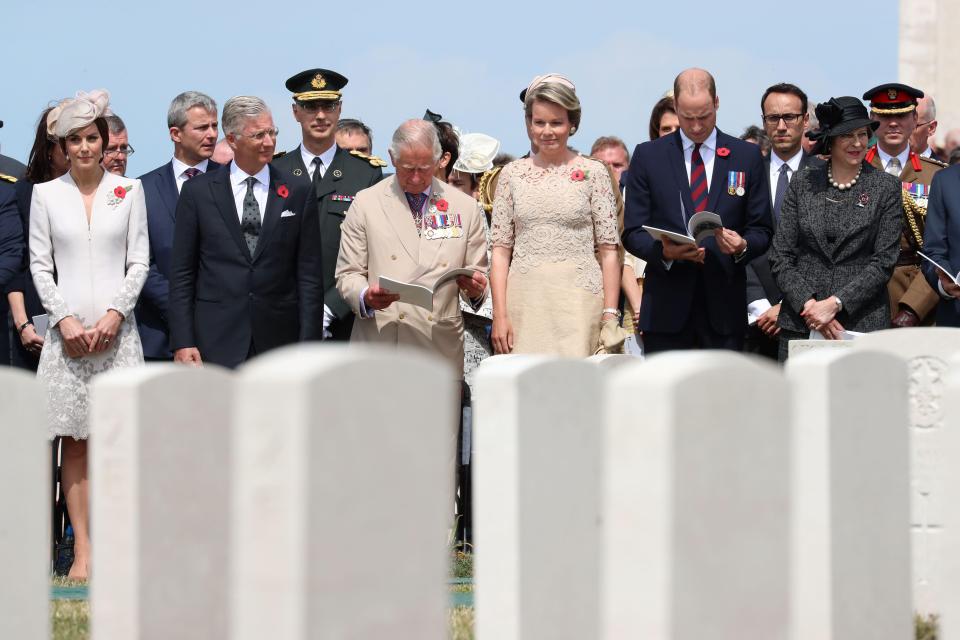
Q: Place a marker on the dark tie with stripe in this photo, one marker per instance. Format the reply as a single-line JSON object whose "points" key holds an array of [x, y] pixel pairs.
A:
{"points": [[250, 223], [783, 181], [416, 200], [698, 180], [191, 172]]}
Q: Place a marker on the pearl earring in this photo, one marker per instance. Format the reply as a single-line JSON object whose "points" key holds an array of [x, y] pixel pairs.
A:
{"points": [[573, 130]]}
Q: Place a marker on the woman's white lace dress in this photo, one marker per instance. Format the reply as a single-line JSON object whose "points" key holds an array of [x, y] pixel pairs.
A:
{"points": [[99, 266]]}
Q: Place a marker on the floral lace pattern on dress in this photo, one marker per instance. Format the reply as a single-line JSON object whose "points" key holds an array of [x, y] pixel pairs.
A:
{"points": [[545, 215]]}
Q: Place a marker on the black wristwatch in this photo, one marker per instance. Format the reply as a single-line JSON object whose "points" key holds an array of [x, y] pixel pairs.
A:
{"points": [[24, 326]]}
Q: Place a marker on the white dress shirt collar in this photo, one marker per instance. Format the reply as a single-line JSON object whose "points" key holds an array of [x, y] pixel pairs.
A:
{"points": [[793, 163], [179, 167], [904, 157], [710, 143], [326, 158], [237, 178]]}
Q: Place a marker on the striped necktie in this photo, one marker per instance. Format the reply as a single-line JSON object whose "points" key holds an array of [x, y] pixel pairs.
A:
{"points": [[698, 180]]}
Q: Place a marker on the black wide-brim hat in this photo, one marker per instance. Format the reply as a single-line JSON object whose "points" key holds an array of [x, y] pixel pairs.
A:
{"points": [[838, 116]]}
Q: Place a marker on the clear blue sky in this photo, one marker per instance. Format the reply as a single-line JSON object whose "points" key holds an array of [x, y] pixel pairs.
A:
{"points": [[467, 60]]}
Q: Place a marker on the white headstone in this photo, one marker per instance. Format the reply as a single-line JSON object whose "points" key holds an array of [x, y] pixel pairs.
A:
{"points": [[159, 478], [851, 503], [343, 494], [610, 361], [949, 610], [537, 498], [796, 348], [25, 496], [927, 352], [696, 499]]}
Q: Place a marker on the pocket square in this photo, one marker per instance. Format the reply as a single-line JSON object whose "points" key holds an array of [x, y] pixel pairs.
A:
{"points": [[287, 214]]}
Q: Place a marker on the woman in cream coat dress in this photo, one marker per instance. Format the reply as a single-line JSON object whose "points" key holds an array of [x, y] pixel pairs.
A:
{"points": [[89, 257]]}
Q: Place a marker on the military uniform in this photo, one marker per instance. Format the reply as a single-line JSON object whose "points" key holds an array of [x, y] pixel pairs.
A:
{"points": [[348, 173], [908, 289]]}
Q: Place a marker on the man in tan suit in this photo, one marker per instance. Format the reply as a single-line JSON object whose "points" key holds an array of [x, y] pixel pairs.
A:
{"points": [[412, 227]]}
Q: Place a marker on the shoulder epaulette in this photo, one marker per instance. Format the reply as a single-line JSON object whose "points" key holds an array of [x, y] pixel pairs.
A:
{"points": [[934, 161], [279, 154], [7, 178], [373, 160]]}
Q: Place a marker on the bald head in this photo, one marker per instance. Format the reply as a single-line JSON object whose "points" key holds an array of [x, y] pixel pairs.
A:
{"points": [[694, 81]]}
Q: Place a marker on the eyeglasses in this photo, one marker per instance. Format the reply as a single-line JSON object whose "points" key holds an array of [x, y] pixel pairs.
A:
{"points": [[126, 150], [260, 135], [923, 124], [788, 118], [319, 105], [411, 168]]}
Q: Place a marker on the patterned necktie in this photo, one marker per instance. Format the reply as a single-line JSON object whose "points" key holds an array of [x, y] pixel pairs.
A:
{"points": [[416, 200], [191, 172], [250, 223], [317, 168], [894, 167], [698, 180], [782, 183]]}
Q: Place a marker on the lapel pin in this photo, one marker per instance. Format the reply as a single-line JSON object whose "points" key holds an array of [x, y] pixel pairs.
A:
{"points": [[337, 173], [298, 172]]}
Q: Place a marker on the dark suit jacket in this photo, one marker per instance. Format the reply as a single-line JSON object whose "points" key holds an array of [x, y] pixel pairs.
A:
{"points": [[657, 183], [11, 254], [23, 281], [160, 192], [760, 281], [859, 261], [346, 175], [941, 238], [224, 302]]}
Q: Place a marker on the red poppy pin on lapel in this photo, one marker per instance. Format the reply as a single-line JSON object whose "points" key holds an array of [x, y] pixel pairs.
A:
{"points": [[442, 205], [282, 191], [723, 152]]}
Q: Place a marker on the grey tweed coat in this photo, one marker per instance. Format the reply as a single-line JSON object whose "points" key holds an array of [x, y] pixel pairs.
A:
{"points": [[842, 243]]}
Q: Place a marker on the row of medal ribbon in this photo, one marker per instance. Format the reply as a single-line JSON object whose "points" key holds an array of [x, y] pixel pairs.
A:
{"points": [[442, 226]]}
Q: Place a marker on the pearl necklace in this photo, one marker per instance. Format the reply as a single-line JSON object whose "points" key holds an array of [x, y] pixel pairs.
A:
{"points": [[838, 186]]}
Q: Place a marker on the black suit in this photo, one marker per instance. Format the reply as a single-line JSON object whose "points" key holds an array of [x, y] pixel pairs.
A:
{"points": [[160, 192], [227, 303], [11, 252], [23, 282], [760, 281], [346, 175]]}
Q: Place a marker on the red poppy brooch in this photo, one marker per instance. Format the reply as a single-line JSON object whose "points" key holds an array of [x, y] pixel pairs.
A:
{"points": [[578, 175], [723, 152], [282, 191], [442, 205], [118, 195]]}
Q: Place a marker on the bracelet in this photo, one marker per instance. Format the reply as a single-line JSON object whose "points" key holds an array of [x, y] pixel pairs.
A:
{"points": [[24, 326], [612, 310]]}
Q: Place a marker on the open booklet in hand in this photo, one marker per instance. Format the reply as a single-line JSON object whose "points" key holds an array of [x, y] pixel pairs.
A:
{"points": [[417, 293], [953, 278], [700, 226]]}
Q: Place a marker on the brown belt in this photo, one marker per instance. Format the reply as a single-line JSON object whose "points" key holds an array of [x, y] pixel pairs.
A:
{"points": [[908, 258]]}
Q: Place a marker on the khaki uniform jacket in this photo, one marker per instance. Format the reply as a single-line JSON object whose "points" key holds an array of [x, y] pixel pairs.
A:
{"points": [[378, 237], [908, 287]]}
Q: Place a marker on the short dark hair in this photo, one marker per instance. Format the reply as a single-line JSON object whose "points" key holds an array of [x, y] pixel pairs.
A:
{"points": [[785, 87], [608, 142], [449, 142], [353, 125], [115, 123], [753, 132], [664, 105]]}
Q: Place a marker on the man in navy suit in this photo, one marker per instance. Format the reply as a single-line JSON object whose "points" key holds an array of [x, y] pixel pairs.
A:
{"points": [[941, 242], [11, 253], [245, 273], [694, 297], [192, 119]]}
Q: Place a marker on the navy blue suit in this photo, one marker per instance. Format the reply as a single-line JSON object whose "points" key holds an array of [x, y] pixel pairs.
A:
{"points": [[160, 192], [941, 238], [691, 305], [11, 253], [23, 282]]}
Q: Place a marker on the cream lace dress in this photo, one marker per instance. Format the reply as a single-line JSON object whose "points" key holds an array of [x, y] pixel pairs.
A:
{"points": [[99, 266], [553, 219]]}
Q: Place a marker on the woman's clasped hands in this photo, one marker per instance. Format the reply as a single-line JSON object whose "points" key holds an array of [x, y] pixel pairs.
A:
{"points": [[79, 341], [820, 315]]}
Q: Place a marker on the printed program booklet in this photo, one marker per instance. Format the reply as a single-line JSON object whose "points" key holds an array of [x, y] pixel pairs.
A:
{"points": [[416, 292], [700, 226]]}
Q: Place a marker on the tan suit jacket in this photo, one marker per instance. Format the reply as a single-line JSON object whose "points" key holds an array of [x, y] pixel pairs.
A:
{"points": [[907, 286], [378, 238]]}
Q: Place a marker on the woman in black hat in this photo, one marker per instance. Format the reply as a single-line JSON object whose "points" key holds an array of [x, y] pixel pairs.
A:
{"points": [[837, 238]]}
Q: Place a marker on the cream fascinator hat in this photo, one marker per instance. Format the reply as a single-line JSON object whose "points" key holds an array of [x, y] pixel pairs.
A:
{"points": [[477, 151], [548, 77], [77, 113]]}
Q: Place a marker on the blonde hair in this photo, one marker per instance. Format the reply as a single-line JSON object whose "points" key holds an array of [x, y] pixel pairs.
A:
{"points": [[558, 94]]}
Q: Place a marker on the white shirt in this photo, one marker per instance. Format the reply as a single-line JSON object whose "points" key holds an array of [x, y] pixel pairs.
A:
{"points": [[885, 157], [793, 165], [708, 151], [326, 158], [927, 153], [178, 171], [260, 188]]}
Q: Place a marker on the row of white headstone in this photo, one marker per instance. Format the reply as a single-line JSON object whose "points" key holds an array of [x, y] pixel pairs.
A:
{"points": [[694, 495]]}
